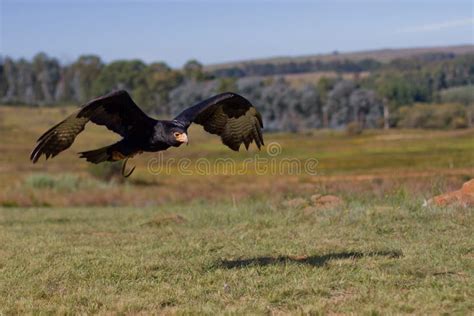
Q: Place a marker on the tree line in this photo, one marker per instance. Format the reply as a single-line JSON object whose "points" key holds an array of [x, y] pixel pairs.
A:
{"points": [[386, 97], [336, 63]]}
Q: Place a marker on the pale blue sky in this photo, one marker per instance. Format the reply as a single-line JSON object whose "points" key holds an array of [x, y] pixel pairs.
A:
{"points": [[219, 31]]}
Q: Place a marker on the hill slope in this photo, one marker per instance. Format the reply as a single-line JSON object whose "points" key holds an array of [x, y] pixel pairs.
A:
{"points": [[381, 55]]}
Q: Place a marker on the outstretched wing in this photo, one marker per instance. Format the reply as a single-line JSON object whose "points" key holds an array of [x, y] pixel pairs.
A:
{"points": [[116, 111], [228, 115]]}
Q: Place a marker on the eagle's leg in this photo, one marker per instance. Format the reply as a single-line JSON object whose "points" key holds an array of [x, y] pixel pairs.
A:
{"points": [[117, 155]]}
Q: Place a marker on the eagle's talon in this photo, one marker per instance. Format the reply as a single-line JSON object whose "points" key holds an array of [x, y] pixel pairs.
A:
{"points": [[124, 165]]}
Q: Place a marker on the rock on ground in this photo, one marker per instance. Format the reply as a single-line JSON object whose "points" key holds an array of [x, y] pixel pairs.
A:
{"points": [[464, 196]]}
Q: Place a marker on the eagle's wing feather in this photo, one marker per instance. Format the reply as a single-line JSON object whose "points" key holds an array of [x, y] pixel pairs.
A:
{"points": [[59, 137], [116, 111], [228, 115]]}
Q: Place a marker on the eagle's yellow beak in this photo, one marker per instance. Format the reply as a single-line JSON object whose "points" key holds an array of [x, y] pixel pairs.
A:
{"points": [[181, 137]]}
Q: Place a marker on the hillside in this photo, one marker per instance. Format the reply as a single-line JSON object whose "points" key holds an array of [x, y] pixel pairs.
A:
{"points": [[381, 55]]}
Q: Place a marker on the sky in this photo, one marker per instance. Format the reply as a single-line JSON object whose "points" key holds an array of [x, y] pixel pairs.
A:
{"points": [[221, 31]]}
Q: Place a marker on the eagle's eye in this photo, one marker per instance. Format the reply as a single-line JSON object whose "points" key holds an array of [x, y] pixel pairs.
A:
{"points": [[181, 137]]}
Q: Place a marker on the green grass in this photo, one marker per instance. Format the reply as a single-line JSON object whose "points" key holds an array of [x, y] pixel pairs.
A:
{"points": [[387, 256], [61, 183]]}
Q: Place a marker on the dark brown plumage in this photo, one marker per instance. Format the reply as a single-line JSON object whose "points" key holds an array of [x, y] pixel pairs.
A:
{"points": [[228, 115]]}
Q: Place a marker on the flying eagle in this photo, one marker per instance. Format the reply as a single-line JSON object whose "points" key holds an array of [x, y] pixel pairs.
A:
{"points": [[228, 115]]}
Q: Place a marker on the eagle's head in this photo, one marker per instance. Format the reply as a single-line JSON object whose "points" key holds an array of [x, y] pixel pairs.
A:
{"points": [[175, 134]]}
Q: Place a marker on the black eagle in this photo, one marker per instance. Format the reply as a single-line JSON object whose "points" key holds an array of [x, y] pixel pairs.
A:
{"points": [[228, 115]]}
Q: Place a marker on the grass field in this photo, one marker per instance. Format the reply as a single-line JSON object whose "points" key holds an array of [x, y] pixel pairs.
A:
{"points": [[178, 243], [375, 163], [253, 257]]}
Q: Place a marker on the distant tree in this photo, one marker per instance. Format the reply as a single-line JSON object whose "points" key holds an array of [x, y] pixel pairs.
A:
{"points": [[233, 72], [444, 116], [77, 79], [394, 92], [276, 101], [47, 73], [462, 95], [324, 86], [88, 69], [227, 84], [22, 81], [190, 92], [338, 106], [9, 80], [123, 74], [193, 70], [160, 80], [250, 86], [310, 106], [366, 108]]}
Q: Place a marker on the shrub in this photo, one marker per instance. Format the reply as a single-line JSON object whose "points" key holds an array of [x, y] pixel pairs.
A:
{"points": [[9, 203], [354, 128], [461, 94], [107, 171], [432, 116], [459, 122], [66, 182]]}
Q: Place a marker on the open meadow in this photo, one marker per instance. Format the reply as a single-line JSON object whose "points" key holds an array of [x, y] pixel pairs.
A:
{"points": [[191, 232], [370, 165]]}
